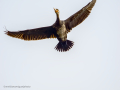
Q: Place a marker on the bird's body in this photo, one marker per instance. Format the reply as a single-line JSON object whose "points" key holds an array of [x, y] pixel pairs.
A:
{"points": [[58, 30], [61, 31]]}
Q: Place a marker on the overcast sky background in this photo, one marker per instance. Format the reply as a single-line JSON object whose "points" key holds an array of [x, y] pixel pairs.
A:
{"points": [[92, 64]]}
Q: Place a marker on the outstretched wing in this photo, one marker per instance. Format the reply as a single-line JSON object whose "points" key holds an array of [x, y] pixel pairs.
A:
{"points": [[79, 16], [34, 34]]}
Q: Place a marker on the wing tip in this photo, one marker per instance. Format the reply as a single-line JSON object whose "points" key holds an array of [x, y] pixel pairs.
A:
{"points": [[6, 31]]}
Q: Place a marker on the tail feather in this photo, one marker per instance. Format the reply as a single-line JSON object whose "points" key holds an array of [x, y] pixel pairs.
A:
{"points": [[64, 46]]}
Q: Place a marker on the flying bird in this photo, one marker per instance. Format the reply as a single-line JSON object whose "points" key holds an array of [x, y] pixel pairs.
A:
{"points": [[58, 30]]}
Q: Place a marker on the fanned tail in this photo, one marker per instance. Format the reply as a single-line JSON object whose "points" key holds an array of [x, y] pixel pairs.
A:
{"points": [[64, 46]]}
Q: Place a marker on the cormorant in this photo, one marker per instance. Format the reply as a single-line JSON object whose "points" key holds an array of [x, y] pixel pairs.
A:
{"points": [[58, 30]]}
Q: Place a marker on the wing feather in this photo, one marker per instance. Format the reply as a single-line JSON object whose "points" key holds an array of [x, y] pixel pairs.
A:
{"points": [[79, 16], [34, 34]]}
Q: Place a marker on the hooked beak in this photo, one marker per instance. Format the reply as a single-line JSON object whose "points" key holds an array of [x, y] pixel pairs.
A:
{"points": [[54, 8]]}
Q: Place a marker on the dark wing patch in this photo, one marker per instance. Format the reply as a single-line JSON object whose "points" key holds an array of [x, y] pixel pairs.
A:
{"points": [[34, 34], [79, 16]]}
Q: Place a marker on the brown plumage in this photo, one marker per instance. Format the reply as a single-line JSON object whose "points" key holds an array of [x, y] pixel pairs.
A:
{"points": [[58, 30]]}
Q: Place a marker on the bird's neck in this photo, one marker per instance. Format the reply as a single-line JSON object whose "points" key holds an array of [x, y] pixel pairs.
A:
{"points": [[58, 19]]}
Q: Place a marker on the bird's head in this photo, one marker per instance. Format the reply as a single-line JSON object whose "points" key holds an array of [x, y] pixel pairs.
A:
{"points": [[56, 11]]}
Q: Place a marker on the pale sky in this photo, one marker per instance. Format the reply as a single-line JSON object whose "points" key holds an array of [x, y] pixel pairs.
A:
{"points": [[92, 64]]}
